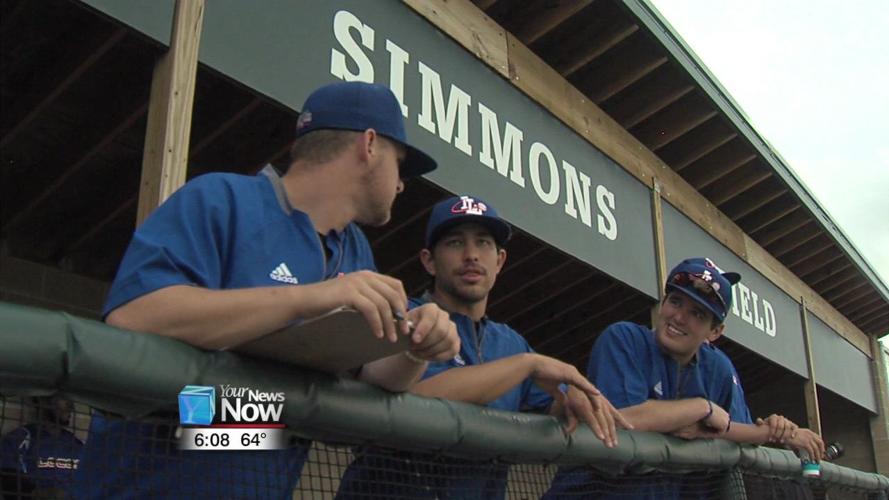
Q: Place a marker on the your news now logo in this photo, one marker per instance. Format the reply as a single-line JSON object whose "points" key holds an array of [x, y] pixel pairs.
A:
{"points": [[243, 419]]}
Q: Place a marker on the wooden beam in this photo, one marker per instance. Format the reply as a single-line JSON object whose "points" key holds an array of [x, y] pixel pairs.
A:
{"points": [[674, 121], [739, 181], [584, 48], [529, 331], [63, 85], [697, 143], [842, 289], [98, 227], [470, 27], [853, 279], [877, 326], [657, 230], [865, 307], [75, 167], [720, 163], [852, 297], [757, 197], [818, 260], [530, 27], [530, 281], [568, 284], [839, 296], [830, 277], [618, 68], [663, 87], [768, 214], [794, 239], [165, 158], [810, 389], [484, 4], [871, 315], [541, 83], [766, 226], [816, 246], [587, 327], [879, 423]]}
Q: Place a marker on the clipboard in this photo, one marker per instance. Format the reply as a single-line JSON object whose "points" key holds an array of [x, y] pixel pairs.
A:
{"points": [[335, 342]]}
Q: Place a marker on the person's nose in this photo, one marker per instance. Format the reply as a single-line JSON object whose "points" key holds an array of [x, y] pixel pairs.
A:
{"points": [[470, 252], [399, 188]]}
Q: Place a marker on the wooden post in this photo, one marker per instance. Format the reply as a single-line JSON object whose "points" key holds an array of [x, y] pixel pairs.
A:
{"points": [[165, 157], [879, 423], [813, 413], [660, 254]]}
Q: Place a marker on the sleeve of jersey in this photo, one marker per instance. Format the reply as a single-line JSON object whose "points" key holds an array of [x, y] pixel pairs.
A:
{"points": [[614, 365], [738, 410], [10, 449], [182, 243]]}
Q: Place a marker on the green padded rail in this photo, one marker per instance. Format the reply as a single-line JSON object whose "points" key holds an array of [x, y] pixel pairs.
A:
{"points": [[136, 375]]}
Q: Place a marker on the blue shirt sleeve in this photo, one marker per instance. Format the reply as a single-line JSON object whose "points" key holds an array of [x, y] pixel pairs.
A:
{"points": [[11, 448], [726, 389], [184, 242], [617, 365]]}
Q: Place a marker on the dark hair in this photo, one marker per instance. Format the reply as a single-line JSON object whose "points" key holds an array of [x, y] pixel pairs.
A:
{"points": [[321, 145], [714, 321]]}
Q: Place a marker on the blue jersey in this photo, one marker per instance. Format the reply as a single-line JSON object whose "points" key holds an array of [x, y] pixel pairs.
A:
{"points": [[219, 231], [628, 366], [42, 459], [383, 474]]}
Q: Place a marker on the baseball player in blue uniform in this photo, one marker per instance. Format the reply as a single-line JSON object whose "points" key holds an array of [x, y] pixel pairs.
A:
{"points": [[672, 380], [495, 367], [40, 458], [229, 258]]}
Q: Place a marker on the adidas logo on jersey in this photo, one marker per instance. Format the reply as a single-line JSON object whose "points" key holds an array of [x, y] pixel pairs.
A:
{"points": [[657, 389], [283, 274]]}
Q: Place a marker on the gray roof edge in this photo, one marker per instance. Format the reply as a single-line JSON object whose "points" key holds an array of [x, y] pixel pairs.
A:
{"points": [[661, 29]]}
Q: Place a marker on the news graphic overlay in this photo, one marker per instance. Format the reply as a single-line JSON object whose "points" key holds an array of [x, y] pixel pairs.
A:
{"points": [[244, 419]]}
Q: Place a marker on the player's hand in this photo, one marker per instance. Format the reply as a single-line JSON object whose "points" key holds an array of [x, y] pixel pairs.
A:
{"points": [[374, 295], [434, 337], [780, 428], [805, 439], [582, 399], [718, 420]]}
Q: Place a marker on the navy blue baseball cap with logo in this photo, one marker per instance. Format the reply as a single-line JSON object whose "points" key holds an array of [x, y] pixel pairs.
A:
{"points": [[359, 106], [461, 210], [702, 280]]}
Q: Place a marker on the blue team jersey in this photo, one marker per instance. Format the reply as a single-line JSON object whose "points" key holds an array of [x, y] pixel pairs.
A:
{"points": [[628, 366], [383, 474], [41, 458], [219, 231]]}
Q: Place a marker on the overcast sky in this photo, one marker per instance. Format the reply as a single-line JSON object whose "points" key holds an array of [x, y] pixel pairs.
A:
{"points": [[812, 77]]}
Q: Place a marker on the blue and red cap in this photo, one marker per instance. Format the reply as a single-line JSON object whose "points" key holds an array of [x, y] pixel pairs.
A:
{"points": [[359, 106], [461, 210], [702, 280]]}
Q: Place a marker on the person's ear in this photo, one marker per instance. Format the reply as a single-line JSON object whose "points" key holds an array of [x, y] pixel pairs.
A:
{"points": [[715, 333], [501, 258], [368, 145], [428, 261]]}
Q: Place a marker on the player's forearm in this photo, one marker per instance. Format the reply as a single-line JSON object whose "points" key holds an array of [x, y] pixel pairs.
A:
{"points": [[216, 319], [479, 384], [747, 433], [666, 415], [396, 373]]}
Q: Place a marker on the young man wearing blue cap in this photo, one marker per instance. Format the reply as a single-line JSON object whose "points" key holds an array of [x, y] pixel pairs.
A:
{"points": [[229, 258], [496, 367], [672, 380]]}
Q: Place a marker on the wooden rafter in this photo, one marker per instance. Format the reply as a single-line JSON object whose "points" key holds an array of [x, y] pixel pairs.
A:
{"points": [[875, 313], [530, 26], [852, 297], [717, 164], [767, 226], [757, 198], [806, 231], [530, 330], [696, 144], [877, 325], [817, 260], [63, 85], [647, 97], [865, 306], [567, 285], [814, 247], [531, 281], [738, 182], [569, 56], [674, 121], [837, 297], [768, 214], [119, 129], [831, 273]]}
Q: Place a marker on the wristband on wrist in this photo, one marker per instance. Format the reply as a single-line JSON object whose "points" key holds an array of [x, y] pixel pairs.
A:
{"points": [[409, 355], [709, 411]]}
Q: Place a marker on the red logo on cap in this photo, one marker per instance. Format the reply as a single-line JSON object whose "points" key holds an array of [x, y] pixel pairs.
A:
{"points": [[469, 206]]}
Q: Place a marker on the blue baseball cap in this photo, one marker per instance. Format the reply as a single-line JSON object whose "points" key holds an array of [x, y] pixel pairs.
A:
{"points": [[359, 106], [461, 210], [702, 280]]}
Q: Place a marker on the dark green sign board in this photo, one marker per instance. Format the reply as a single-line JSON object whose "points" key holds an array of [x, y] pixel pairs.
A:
{"points": [[840, 366], [490, 139]]}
